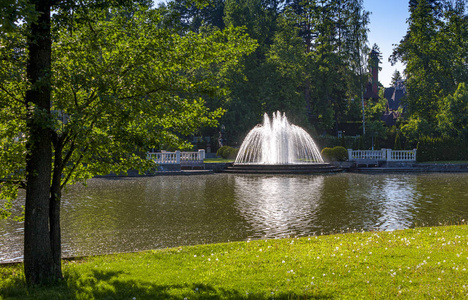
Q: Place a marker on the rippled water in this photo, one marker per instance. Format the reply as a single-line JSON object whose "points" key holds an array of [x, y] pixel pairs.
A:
{"points": [[117, 215]]}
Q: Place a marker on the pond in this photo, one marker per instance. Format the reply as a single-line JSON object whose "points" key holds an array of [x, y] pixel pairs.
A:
{"points": [[131, 214]]}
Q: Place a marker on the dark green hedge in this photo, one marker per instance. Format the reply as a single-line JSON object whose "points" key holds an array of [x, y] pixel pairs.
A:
{"points": [[441, 149]]}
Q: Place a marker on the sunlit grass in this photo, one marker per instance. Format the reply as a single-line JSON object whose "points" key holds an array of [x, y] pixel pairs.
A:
{"points": [[417, 263], [446, 162], [218, 160]]}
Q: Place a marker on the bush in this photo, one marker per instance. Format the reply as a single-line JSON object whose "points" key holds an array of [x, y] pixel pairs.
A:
{"points": [[340, 153], [337, 153], [233, 153], [227, 152], [221, 150], [441, 149], [327, 154]]}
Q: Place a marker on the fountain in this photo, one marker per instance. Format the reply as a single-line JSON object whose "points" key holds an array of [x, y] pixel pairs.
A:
{"points": [[277, 146]]}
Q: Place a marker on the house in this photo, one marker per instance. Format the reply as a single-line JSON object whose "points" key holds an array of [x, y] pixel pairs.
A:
{"points": [[393, 95]]}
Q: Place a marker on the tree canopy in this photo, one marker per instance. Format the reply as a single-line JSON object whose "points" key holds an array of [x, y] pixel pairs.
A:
{"points": [[435, 53], [87, 91]]}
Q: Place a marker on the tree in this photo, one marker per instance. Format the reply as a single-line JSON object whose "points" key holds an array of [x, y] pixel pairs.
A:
{"points": [[453, 114], [434, 51], [396, 77], [334, 35], [193, 16], [248, 100], [287, 64], [100, 88]]}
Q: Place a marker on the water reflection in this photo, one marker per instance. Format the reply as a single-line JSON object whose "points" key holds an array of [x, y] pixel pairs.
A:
{"points": [[130, 214], [278, 206]]}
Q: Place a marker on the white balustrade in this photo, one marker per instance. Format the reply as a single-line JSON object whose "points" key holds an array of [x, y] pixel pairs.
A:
{"points": [[403, 155], [383, 155], [166, 158], [176, 157]]}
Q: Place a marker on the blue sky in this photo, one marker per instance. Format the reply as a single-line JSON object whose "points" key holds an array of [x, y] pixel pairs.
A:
{"points": [[387, 27]]}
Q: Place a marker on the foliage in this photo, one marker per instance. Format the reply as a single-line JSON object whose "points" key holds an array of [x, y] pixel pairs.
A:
{"points": [[415, 128], [87, 91], [442, 149], [453, 114], [112, 99], [397, 144], [435, 53], [340, 153], [227, 152], [396, 77], [418, 263], [309, 61], [327, 154], [337, 153], [332, 141]]}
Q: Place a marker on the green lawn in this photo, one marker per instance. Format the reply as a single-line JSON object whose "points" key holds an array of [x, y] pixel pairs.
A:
{"points": [[218, 160], [422, 263], [446, 162]]}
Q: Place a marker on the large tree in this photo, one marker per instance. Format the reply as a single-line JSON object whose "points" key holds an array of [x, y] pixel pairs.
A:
{"points": [[435, 53], [87, 92]]}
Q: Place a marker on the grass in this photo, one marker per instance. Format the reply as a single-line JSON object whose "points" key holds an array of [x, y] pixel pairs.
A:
{"points": [[446, 162], [419, 263], [218, 160]]}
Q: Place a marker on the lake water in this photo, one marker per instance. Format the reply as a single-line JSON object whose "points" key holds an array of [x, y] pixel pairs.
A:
{"points": [[130, 214]]}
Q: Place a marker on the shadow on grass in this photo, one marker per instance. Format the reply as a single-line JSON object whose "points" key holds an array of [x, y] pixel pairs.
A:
{"points": [[111, 285]]}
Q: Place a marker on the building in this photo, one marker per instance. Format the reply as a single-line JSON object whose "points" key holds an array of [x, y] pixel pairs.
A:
{"points": [[394, 95]]}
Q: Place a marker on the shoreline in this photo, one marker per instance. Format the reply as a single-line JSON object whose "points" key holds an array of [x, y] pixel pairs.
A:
{"points": [[331, 234]]}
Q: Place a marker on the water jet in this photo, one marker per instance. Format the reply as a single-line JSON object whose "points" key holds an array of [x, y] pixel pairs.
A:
{"points": [[277, 146]]}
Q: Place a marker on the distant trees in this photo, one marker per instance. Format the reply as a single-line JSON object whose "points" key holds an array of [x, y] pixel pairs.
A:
{"points": [[310, 61]]}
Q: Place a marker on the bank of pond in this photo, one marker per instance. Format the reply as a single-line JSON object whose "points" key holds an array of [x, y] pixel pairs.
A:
{"points": [[418, 263]]}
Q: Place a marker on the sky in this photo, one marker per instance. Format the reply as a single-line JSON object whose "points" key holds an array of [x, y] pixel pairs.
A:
{"points": [[387, 27]]}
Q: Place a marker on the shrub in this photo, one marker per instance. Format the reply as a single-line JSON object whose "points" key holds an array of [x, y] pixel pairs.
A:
{"points": [[227, 152], [327, 154], [397, 145], [337, 153], [221, 150], [340, 153], [233, 153]]}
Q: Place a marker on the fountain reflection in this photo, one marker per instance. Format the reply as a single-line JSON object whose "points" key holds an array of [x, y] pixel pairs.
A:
{"points": [[282, 205]]}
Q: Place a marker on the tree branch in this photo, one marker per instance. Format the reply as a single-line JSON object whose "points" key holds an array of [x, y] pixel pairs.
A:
{"points": [[11, 95]]}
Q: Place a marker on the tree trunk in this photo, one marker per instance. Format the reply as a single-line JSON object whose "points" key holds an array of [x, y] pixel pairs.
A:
{"points": [[54, 209], [37, 251]]}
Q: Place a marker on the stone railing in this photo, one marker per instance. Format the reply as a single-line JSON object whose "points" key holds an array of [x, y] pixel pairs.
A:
{"points": [[382, 155], [177, 157]]}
